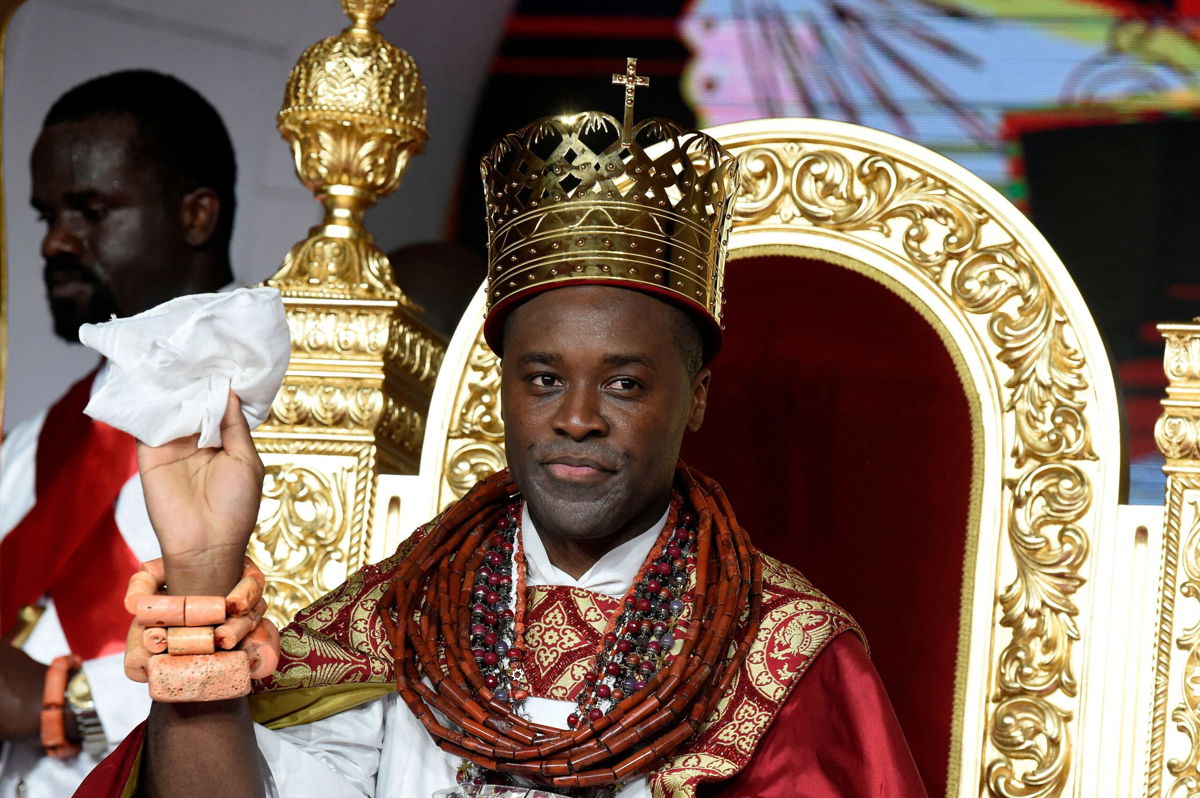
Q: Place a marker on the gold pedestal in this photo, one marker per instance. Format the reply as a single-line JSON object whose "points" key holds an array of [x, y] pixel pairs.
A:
{"points": [[357, 390]]}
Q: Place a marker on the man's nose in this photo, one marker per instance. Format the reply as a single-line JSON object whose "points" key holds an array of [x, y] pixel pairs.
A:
{"points": [[579, 414], [61, 239]]}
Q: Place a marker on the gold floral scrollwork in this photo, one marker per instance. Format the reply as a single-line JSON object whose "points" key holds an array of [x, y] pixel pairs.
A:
{"points": [[300, 531], [337, 332], [474, 446], [1037, 606], [1031, 730], [480, 414], [1181, 360], [471, 463], [327, 404], [332, 267], [415, 351], [1178, 436], [1047, 368], [1187, 714], [946, 235], [831, 191], [762, 173]]}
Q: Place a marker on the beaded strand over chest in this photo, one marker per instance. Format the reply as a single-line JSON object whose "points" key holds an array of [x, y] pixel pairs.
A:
{"points": [[427, 613], [639, 639]]}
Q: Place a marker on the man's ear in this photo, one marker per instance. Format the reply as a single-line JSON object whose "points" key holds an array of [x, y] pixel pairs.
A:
{"points": [[699, 399], [199, 212]]}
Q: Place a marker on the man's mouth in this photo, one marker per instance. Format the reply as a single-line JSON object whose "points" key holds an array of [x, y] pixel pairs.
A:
{"points": [[70, 288], [577, 469]]}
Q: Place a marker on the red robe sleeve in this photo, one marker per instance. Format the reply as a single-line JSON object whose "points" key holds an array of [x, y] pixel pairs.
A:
{"points": [[836, 735]]}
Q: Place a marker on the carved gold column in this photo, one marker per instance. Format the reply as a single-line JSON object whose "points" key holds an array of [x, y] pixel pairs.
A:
{"points": [[1175, 732], [356, 394]]}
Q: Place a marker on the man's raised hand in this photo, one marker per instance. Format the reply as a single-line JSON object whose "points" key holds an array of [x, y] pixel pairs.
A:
{"points": [[203, 503]]}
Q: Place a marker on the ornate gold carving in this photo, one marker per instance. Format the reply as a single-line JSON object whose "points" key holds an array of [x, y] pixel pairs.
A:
{"points": [[301, 533], [1187, 714], [1166, 624], [938, 231], [319, 402], [354, 108], [356, 394], [354, 113], [1178, 436], [415, 350], [474, 446], [311, 533], [334, 267], [1181, 360], [955, 243], [1177, 662], [1037, 606]]}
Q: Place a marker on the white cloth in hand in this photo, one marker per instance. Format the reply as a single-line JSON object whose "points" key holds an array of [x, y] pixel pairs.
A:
{"points": [[171, 367]]}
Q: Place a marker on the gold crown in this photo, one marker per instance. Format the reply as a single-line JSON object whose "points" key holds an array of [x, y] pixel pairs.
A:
{"points": [[584, 199]]}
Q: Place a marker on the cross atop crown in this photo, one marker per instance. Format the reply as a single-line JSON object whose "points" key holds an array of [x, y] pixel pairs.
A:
{"points": [[631, 80]]}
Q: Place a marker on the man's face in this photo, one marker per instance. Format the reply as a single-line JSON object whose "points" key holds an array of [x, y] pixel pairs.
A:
{"points": [[596, 398], [112, 244]]}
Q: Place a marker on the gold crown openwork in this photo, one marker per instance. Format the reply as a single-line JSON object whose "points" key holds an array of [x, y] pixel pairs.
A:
{"points": [[586, 199]]}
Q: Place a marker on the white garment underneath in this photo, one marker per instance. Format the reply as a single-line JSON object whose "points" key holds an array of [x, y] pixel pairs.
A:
{"points": [[381, 749]]}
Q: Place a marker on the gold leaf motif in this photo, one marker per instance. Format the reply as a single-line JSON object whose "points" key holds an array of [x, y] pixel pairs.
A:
{"points": [[480, 414], [1187, 714], [1049, 549], [1033, 732], [474, 447], [301, 526], [470, 463]]}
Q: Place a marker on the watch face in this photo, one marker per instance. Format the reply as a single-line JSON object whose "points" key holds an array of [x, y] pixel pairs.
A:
{"points": [[79, 692]]}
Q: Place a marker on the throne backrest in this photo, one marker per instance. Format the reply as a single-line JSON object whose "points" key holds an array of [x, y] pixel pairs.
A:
{"points": [[1037, 394]]}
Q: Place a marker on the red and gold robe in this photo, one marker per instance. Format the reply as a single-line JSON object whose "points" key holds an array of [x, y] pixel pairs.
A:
{"points": [[806, 714]]}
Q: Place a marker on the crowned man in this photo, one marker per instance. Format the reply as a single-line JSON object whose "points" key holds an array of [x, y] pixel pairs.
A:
{"points": [[592, 619]]}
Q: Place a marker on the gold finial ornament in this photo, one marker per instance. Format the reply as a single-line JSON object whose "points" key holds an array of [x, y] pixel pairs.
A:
{"points": [[354, 113], [583, 199], [366, 12], [356, 393]]}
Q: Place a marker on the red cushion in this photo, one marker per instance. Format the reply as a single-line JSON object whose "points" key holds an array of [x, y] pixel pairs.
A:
{"points": [[840, 430]]}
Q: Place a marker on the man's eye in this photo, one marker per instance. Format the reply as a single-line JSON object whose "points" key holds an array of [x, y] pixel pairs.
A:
{"points": [[624, 384], [544, 380], [94, 213]]}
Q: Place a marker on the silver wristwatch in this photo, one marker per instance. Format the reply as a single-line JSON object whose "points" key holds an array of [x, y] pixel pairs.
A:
{"points": [[83, 711]]}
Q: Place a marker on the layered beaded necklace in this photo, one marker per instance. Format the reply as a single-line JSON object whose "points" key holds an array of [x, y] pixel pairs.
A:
{"points": [[639, 641], [444, 669]]}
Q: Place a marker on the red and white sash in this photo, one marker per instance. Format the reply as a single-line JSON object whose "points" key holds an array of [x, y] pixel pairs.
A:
{"points": [[68, 546]]}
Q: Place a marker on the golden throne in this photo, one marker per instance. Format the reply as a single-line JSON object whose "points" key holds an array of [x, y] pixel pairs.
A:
{"points": [[935, 439], [969, 373]]}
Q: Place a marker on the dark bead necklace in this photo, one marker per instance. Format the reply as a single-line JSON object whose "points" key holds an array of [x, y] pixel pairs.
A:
{"points": [[640, 639]]}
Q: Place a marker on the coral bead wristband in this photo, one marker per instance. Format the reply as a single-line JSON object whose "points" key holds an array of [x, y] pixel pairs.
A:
{"points": [[54, 696], [182, 645]]}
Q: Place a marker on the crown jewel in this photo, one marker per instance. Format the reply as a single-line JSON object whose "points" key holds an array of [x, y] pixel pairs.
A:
{"points": [[585, 199]]}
